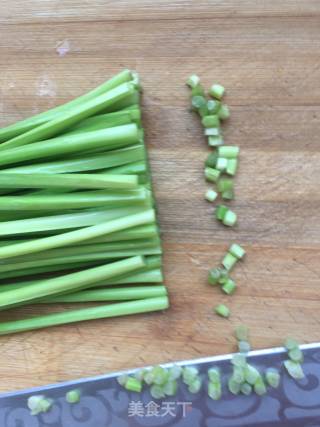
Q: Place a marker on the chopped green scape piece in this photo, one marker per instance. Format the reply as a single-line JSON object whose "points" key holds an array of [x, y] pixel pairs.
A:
{"points": [[214, 390], [228, 195], [229, 261], [193, 81], [222, 310], [238, 374], [198, 91], [214, 375], [296, 355], [211, 160], [214, 276], [211, 174], [246, 389], [132, 384], [73, 396], [157, 392], [233, 386], [273, 377], [260, 387], [139, 375], [213, 131], [198, 102], [211, 195], [221, 164], [160, 375], [170, 388], [294, 369], [122, 379], [229, 287], [291, 344], [189, 374], [224, 277], [215, 141], [213, 106], [211, 121], [225, 184], [230, 218], [221, 212], [217, 91], [251, 374], [195, 386], [175, 372], [232, 166], [224, 112], [239, 360], [237, 251]]}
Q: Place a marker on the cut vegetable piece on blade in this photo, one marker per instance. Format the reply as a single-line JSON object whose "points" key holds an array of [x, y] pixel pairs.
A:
{"points": [[73, 396], [71, 316]]}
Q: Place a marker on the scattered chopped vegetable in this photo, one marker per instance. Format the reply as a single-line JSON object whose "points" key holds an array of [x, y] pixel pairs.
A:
{"points": [[193, 81], [211, 195], [214, 390], [217, 91], [229, 261], [224, 112], [211, 121], [296, 355], [237, 251], [229, 151], [215, 141], [222, 310], [230, 218], [294, 369], [212, 174], [229, 287], [222, 164], [246, 389], [259, 386]]}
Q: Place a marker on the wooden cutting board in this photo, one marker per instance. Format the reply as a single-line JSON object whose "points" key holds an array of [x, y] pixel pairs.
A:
{"points": [[267, 56]]}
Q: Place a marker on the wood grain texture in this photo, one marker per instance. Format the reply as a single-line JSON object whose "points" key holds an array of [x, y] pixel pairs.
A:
{"points": [[266, 54]]}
